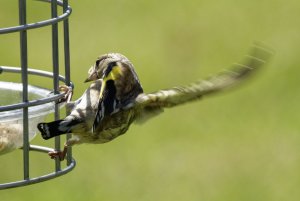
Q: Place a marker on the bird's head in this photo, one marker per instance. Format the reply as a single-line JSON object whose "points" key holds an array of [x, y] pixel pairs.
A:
{"points": [[106, 66], [116, 67]]}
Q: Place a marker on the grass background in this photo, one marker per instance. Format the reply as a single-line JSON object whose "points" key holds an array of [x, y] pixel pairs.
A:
{"points": [[242, 145]]}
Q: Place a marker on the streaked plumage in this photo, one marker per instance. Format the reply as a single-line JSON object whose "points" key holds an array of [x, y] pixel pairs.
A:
{"points": [[115, 99]]}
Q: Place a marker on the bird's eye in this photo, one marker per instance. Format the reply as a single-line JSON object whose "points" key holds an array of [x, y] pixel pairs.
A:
{"points": [[97, 62], [100, 59]]}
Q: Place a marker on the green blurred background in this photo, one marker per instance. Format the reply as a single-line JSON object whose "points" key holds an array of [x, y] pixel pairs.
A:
{"points": [[241, 145]]}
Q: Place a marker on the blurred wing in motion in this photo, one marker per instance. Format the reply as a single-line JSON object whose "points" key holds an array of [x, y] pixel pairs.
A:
{"points": [[151, 104]]}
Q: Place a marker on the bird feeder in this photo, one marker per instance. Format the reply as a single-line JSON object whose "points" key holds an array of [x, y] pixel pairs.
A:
{"points": [[22, 105]]}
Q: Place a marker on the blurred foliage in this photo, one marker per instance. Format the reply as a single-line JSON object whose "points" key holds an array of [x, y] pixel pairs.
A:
{"points": [[242, 145]]}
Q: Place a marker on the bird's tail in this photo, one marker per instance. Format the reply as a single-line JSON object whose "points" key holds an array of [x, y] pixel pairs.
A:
{"points": [[55, 128]]}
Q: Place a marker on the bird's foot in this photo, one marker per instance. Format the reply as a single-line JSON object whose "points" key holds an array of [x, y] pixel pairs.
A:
{"points": [[68, 93], [58, 154]]}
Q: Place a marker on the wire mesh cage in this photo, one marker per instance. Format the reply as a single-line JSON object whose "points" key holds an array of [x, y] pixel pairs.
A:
{"points": [[24, 105]]}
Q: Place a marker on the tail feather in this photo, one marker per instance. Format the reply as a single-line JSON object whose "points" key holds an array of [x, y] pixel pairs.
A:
{"points": [[52, 129]]}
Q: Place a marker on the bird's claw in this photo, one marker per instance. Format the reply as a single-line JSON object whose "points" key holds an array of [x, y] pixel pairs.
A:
{"points": [[57, 154], [68, 93]]}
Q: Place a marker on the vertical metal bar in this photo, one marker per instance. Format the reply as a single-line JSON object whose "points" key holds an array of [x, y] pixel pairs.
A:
{"points": [[24, 66], [67, 67], [66, 44], [55, 72]]}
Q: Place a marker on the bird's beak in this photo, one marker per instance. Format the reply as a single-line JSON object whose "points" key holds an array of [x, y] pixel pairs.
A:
{"points": [[92, 77]]}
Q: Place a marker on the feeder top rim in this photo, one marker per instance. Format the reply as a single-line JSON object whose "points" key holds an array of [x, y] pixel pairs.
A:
{"points": [[33, 111]]}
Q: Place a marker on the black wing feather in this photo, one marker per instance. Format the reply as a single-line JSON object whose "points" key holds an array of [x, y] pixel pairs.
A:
{"points": [[108, 104]]}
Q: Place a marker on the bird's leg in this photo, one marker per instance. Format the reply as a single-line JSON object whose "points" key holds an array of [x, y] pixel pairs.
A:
{"points": [[68, 93], [62, 154], [59, 154]]}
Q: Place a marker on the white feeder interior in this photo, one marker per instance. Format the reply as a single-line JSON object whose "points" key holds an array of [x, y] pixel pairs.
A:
{"points": [[11, 122]]}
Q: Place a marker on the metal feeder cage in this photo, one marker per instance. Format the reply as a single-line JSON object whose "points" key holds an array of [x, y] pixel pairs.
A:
{"points": [[31, 102]]}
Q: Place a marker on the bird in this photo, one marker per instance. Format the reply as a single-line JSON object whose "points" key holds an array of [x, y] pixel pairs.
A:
{"points": [[115, 98]]}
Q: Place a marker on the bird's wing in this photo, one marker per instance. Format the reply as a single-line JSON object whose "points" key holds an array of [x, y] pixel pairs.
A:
{"points": [[99, 115], [108, 104], [153, 102]]}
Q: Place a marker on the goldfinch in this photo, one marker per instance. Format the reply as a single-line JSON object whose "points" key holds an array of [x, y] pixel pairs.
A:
{"points": [[115, 98]]}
